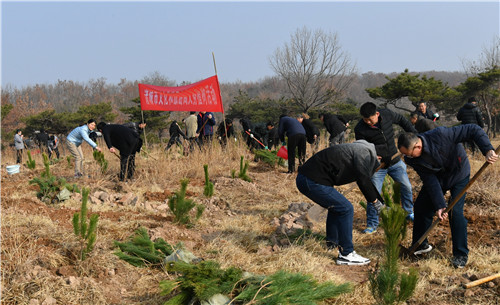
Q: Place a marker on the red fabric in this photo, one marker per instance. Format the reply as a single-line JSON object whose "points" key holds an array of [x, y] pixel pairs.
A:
{"points": [[201, 96], [283, 153]]}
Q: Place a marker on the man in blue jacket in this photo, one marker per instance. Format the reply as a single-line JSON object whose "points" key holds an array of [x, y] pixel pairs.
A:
{"points": [[296, 139], [206, 123], [442, 164]]}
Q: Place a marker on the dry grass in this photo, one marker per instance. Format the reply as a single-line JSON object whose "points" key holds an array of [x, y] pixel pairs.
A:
{"points": [[235, 230]]}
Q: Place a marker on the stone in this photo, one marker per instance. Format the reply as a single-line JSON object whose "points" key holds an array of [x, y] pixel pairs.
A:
{"points": [[49, 301], [34, 302], [73, 281]]}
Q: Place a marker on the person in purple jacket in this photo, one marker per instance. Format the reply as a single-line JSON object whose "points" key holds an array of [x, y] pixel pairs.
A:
{"points": [[296, 140], [440, 160]]}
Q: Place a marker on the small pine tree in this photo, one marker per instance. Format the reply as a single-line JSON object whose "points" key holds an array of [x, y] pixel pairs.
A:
{"points": [[141, 251], [49, 185], [243, 170], [181, 206], [209, 186], [30, 163], [388, 286], [85, 232], [68, 158], [103, 163]]}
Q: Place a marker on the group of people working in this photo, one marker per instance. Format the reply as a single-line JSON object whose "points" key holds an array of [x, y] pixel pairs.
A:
{"points": [[436, 154]]}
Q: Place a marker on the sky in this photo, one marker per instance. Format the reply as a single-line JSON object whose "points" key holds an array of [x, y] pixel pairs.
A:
{"points": [[43, 42]]}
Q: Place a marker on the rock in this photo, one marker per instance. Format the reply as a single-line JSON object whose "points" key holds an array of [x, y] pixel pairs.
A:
{"points": [[49, 301], [66, 271], [128, 199], [111, 272], [162, 207], [73, 281], [94, 200], [473, 277], [34, 302], [103, 196], [491, 284], [469, 293]]}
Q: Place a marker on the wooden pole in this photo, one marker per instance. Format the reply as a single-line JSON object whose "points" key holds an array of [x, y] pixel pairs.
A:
{"points": [[144, 130], [223, 116], [482, 281]]}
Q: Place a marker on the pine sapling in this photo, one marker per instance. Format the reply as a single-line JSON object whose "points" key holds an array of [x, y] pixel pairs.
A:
{"points": [[388, 286], [87, 233], [141, 251], [243, 170], [68, 158], [209, 186], [181, 206], [103, 163], [30, 163]]}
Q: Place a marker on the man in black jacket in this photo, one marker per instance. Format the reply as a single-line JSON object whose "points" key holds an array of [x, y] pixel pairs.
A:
{"points": [[312, 131], [271, 138], [424, 111], [339, 165], [175, 135], [126, 141], [336, 125], [470, 114], [376, 127]]}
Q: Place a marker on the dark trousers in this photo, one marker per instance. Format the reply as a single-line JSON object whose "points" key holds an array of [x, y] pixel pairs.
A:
{"points": [[56, 150], [424, 212], [298, 142], [127, 166], [172, 141], [19, 155], [340, 212]]}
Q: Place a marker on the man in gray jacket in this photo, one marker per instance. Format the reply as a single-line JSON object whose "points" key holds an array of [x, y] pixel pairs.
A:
{"points": [[338, 165]]}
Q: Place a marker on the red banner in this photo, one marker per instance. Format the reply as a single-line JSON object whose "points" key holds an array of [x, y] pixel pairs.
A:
{"points": [[201, 96]]}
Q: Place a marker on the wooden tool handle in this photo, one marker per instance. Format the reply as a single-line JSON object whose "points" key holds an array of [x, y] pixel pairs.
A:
{"points": [[482, 281]]}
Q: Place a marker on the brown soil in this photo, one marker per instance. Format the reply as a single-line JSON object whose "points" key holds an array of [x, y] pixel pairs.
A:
{"points": [[39, 256]]}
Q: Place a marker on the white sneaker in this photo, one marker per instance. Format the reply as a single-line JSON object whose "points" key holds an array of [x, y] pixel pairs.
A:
{"points": [[352, 258]]}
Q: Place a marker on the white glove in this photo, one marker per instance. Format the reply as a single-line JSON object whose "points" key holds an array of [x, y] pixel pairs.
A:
{"points": [[251, 135]]}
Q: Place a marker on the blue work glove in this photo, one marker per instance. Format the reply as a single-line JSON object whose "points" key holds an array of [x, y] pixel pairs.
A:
{"points": [[267, 148]]}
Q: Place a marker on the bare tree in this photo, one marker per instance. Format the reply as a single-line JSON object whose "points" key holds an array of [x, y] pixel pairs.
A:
{"points": [[314, 67]]}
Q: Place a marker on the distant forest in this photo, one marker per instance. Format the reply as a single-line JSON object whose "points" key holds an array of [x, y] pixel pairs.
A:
{"points": [[67, 95]]}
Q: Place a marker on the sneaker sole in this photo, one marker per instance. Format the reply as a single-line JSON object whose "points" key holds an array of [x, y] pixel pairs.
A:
{"points": [[339, 262], [367, 232], [423, 251]]}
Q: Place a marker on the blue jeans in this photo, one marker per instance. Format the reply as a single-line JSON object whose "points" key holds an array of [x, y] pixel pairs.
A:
{"points": [[340, 212], [425, 210], [398, 173]]}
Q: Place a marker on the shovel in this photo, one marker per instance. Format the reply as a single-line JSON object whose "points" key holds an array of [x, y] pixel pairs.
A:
{"points": [[407, 252]]}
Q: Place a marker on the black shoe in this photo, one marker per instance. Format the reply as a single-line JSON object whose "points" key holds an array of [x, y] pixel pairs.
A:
{"points": [[423, 248], [459, 261]]}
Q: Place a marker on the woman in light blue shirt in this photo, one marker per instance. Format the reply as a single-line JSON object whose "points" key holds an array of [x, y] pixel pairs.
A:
{"points": [[74, 141]]}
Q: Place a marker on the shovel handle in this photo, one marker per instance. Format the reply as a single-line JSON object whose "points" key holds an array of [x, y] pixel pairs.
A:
{"points": [[482, 281], [451, 205]]}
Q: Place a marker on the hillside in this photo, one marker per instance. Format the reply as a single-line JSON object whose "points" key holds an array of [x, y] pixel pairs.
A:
{"points": [[238, 228]]}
